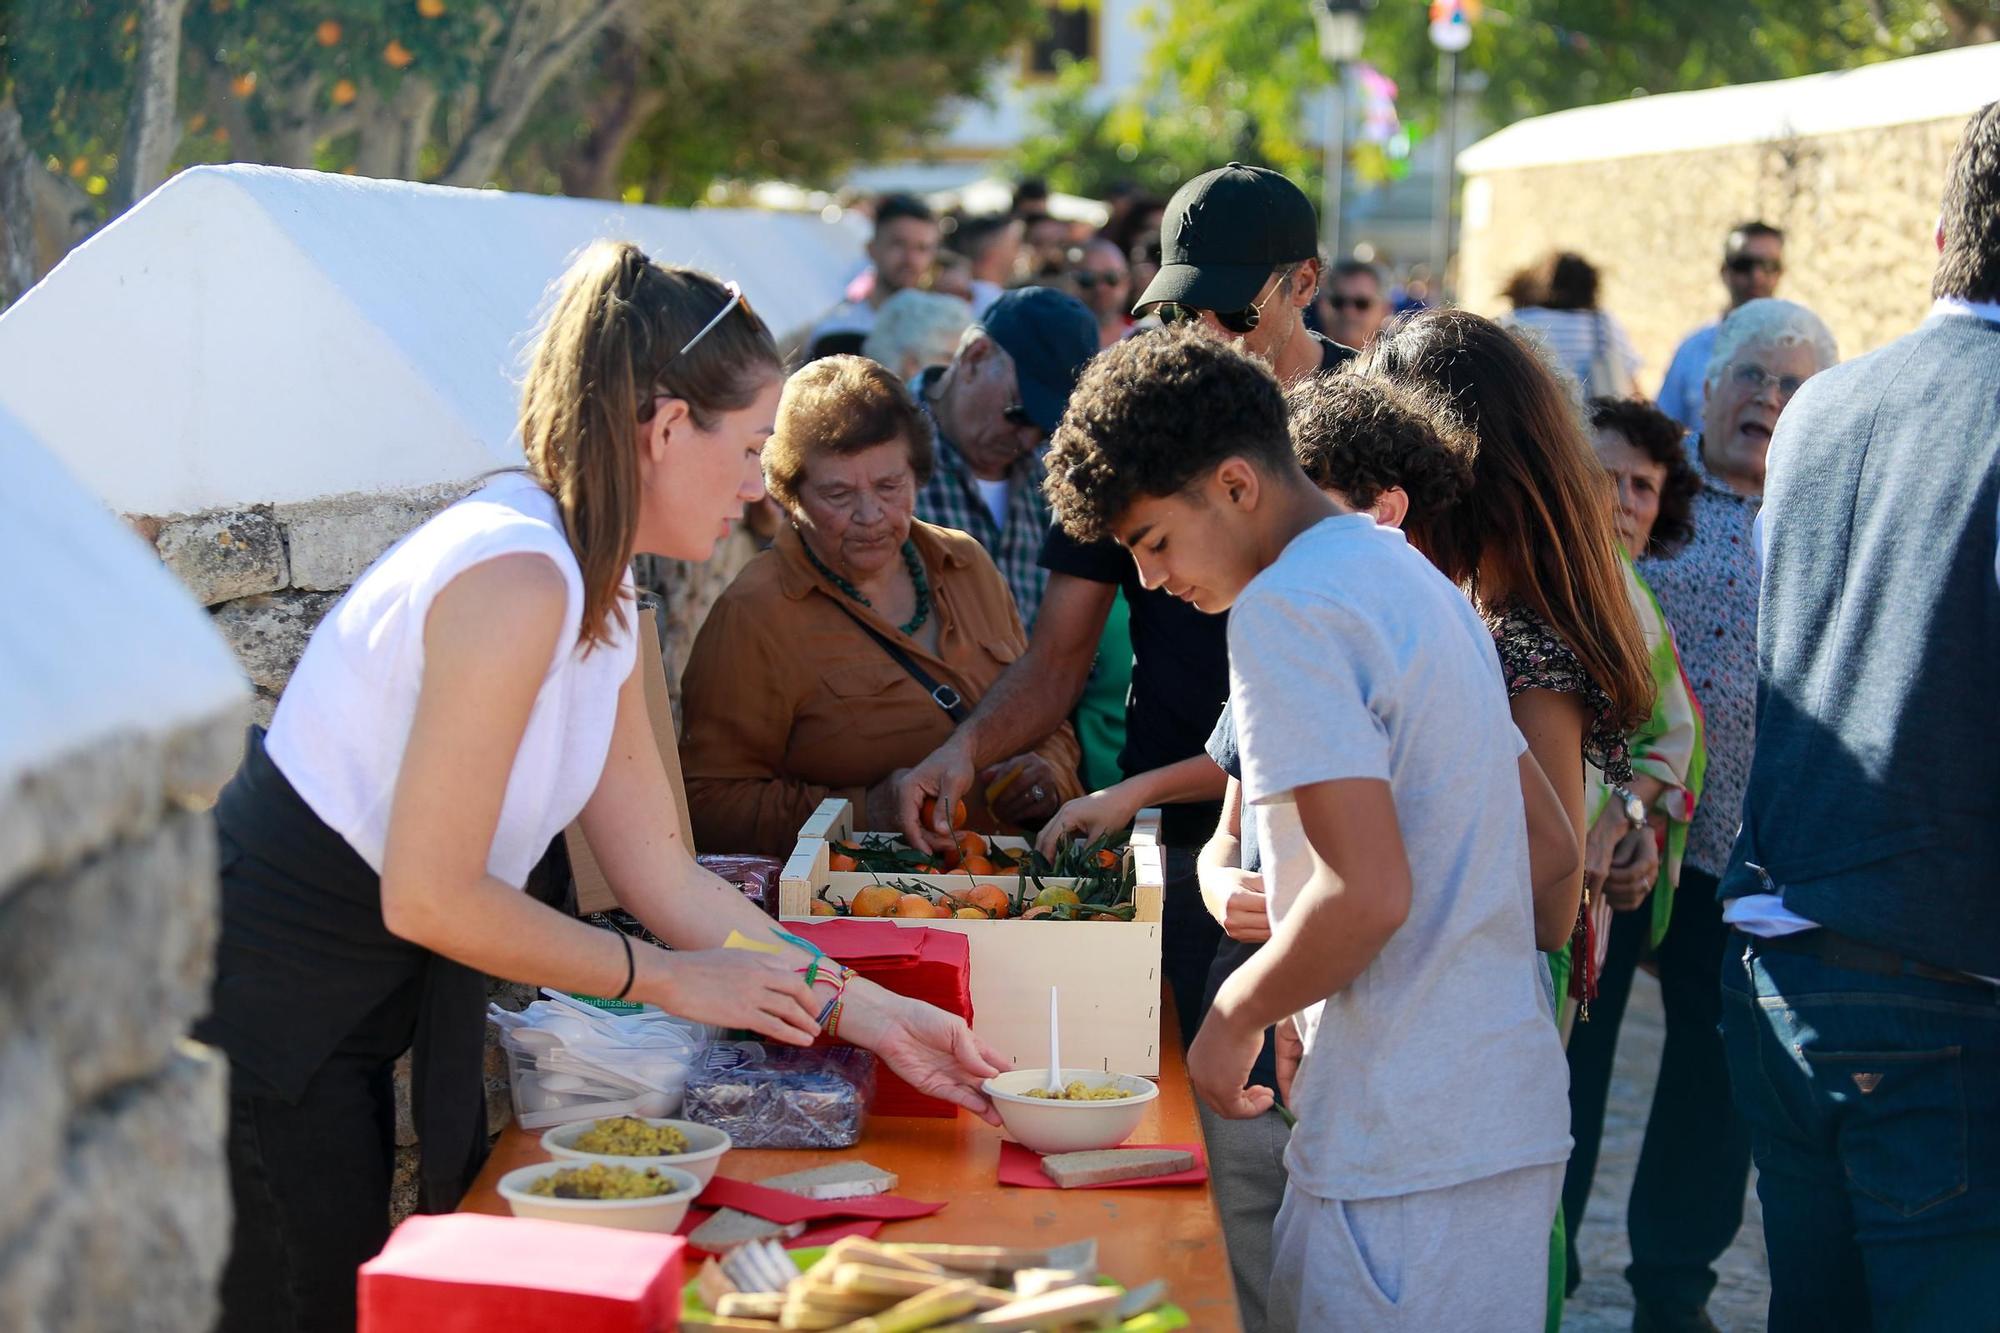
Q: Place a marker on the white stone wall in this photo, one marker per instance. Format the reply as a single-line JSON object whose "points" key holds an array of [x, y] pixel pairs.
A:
{"points": [[120, 716]]}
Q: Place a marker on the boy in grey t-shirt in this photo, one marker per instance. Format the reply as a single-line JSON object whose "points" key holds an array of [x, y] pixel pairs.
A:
{"points": [[1384, 777]]}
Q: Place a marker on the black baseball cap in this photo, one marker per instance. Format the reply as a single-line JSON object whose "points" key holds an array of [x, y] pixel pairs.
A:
{"points": [[1050, 335], [1224, 232]]}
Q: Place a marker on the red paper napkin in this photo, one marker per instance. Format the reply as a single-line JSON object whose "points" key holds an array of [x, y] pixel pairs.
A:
{"points": [[779, 1206], [1023, 1167], [855, 941]]}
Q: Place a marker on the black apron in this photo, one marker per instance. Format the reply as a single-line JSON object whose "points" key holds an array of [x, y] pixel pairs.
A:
{"points": [[304, 959]]}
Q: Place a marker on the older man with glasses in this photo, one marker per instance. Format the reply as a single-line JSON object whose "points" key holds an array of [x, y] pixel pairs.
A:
{"points": [[994, 407], [1103, 281], [1753, 259], [1355, 304]]}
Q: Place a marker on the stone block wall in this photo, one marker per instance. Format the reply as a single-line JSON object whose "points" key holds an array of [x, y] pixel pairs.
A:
{"points": [[1859, 209], [116, 1211]]}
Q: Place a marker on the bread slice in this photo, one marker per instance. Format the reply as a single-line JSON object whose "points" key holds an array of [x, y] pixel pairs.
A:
{"points": [[842, 1180], [730, 1228], [1071, 1169]]}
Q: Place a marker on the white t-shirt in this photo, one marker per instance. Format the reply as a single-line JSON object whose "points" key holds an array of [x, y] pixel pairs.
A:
{"points": [[996, 494], [345, 717], [1352, 657]]}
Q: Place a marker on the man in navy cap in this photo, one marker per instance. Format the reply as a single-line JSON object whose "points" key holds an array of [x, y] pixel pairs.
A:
{"points": [[1239, 255], [994, 406]]}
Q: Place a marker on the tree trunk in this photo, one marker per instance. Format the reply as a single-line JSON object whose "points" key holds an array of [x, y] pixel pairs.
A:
{"points": [[523, 73], [154, 129], [591, 171], [17, 208]]}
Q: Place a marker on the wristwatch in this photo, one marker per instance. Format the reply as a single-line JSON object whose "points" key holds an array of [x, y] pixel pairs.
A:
{"points": [[1630, 806]]}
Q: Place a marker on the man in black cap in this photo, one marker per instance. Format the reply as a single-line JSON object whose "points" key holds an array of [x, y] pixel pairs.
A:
{"points": [[993, 406], [1239, 254]]}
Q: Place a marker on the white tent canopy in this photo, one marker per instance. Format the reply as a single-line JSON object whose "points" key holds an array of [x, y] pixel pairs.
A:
{"points": [[259, 335], [1895, 92]]}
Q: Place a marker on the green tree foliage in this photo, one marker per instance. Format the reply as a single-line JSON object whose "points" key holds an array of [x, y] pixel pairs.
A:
{"points": [[652, 99], [1239, 79]]}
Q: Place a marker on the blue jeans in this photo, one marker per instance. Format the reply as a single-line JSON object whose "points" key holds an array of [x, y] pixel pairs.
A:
{"points": [[1874, 1109]]}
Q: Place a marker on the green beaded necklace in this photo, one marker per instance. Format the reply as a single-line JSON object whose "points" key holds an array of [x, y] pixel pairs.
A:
{"points": [[910, 562]]}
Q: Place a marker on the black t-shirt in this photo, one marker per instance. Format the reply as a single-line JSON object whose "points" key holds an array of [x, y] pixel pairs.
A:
{"points": [[1332, 355], [1180, 673]]}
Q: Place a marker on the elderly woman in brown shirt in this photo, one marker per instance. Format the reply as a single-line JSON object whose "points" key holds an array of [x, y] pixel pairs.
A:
{"points": [[788, 697]]}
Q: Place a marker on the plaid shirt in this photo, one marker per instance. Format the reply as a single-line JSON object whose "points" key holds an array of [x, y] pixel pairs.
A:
{"points": [[951, 500]]}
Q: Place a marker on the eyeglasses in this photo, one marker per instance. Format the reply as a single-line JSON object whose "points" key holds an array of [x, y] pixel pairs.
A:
{"points": [[1746, 264], [1174, 313], [1087, 280], [1016, 414], [1355, 303], [1757, 379]]}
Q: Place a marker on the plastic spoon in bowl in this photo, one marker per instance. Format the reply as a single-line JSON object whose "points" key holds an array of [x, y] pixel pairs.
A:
{"points": [[1055, 1088]]}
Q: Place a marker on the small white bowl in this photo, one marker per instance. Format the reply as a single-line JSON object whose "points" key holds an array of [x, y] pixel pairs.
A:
{"points": [[1047, 1126], [662, 1212], [706, 1144]]}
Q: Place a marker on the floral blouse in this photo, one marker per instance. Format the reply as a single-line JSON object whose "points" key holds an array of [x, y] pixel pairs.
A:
{"points": [[1534, 657]]}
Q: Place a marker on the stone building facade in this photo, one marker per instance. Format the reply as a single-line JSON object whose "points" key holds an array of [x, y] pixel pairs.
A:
{"points": [[1851, 166]]}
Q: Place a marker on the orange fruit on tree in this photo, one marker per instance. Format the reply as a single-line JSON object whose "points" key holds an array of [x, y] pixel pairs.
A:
{"points": [[345, 92], [875, 900], [431, 9], [992, 898], [328, 32], [244, 84], [397, 56], [841, 861]]}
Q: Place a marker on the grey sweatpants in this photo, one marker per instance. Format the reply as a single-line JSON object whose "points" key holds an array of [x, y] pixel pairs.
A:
{"points": [[1470, 1256], [1246, 1168]]}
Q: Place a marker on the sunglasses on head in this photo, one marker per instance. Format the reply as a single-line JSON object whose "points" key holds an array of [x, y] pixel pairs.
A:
{"points": [[736, 299], [1356, 303], [1753, 263]]}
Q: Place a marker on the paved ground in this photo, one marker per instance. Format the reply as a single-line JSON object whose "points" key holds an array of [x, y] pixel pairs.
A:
{"points": [[1603, 1304]]}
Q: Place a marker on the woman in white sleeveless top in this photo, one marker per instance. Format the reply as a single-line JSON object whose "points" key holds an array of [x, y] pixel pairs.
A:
{"points": [[469, 697]]}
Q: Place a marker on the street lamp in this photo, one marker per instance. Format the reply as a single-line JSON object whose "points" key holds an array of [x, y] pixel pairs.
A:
{"points": [[1339, 25]]}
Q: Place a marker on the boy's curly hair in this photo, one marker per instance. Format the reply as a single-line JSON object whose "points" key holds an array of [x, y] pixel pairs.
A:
{"points": [[1362, 435], [1153, 413]]}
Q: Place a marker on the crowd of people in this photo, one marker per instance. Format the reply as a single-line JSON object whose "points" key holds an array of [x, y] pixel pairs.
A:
{"points": [[1468, 679]]}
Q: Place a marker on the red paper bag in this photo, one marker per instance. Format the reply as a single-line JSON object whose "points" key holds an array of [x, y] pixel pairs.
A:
{"points": [[471, 1272], [934, 966]]}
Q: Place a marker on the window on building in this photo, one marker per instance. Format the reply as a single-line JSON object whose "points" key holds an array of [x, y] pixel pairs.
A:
{"points": [[1069, 32]]}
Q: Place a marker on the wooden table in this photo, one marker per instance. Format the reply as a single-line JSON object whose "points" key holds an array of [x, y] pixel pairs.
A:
{"points": [[1170, 1232]]}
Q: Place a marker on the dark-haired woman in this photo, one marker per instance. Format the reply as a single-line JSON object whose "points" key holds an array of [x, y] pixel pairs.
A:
{"points": [[1532, 544], [1635, 852], [473, 693], [1556, 301]]}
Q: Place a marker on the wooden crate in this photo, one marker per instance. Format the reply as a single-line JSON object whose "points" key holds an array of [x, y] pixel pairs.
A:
{"points": [[1108, 971]]}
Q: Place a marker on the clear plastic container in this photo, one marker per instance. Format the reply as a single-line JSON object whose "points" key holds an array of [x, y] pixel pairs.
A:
{"points": [[566, 1063]]}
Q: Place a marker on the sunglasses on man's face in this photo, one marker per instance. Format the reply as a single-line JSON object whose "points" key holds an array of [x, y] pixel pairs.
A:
{"points": [[1014, 414], [1087, 280], [1354, 303], [1173, 314], [1747, 264]]}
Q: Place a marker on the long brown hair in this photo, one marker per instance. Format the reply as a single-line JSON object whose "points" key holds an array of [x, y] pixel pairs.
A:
{"points": [[1537, 511], [610, 347]]}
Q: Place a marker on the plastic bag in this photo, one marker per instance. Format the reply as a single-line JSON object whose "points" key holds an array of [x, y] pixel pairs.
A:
{"points": [[767, 1096], [570, 1060]]}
